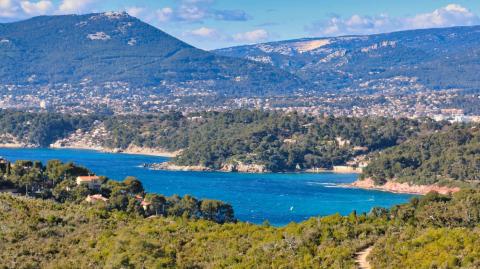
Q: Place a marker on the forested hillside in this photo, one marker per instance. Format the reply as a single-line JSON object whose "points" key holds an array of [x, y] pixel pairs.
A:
{"points": [[277, 141], [449, 157], [44, 234], [58, 182], [94, 50], [41, 129], [291, 141]]}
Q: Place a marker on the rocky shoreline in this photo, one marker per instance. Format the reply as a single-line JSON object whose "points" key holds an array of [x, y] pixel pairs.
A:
{"points": [[132, 149], [168, 166], [405, 188], [10, 141], [240, 167], [136, 150], [231, 167], [129, 150], [94, 140], [336, 170]]}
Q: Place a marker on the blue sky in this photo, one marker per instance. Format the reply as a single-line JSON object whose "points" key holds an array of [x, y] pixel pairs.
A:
{"points": [[211, 24]]}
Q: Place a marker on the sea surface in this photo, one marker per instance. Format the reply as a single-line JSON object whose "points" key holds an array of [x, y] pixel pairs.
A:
{"points": [[278, 198]]}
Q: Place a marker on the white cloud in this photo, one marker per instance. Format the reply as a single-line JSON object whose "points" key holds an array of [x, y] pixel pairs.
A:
{"points": [[37, 8], [190, 11], [136, 11], [8, 8], [6, 4], [205, 36], [450, 15], [75, 6], [252, 36], [164, 14], [204, 32]]}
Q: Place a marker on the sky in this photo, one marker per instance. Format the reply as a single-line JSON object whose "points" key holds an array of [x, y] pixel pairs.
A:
{"points": [[211, 24]]}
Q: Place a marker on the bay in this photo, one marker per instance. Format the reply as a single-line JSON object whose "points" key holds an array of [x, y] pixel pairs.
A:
{"points": [[278, 198]]}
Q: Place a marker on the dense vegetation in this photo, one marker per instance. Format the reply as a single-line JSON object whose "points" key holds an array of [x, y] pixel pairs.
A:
{"points": [[57, 181], [451, 156], [432, 232], [279, 141], [165, 130], [45, 234], [41, 129], [288, 142]]}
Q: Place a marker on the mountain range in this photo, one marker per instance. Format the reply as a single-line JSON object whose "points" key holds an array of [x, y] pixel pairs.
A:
{"points": [[101, 48], [112, 47], [442, 58]]}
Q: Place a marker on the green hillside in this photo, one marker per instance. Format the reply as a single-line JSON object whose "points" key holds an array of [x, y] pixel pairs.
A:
{"points": [[44, 234], [114, 47], [448, 157]]}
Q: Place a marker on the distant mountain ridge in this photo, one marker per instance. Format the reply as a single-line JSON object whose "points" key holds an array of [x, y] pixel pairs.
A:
{"points": [[441, 58], [115, 47], [90, 52]]}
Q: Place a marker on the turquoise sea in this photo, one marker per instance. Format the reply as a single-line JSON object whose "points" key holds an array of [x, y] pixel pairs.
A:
{"points": [[278, 198]]}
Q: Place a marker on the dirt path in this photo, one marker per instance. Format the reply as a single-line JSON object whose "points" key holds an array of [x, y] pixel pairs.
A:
{"points": [[361, 259]]}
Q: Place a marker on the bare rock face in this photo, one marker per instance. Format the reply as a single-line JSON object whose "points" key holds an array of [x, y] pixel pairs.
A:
{"points": [[397, 187], [10, 141], [244, 168], [173, 167], [85, 139]]}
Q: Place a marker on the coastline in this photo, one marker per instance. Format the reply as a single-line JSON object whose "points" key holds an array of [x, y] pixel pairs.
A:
{"points": [[136, 150], [16, 146], [132, 151], [367, 184], [401, 188], [335, 170], [243, 168], [12, 146]]}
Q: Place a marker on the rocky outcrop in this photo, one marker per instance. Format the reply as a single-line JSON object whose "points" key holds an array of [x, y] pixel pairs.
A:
{"points": [[85, 139], [397, 187], [10, 141], [94, 140], [244, 168], [133, 149], [168, 166], [230, 167], [347, 169], [336, 169]]}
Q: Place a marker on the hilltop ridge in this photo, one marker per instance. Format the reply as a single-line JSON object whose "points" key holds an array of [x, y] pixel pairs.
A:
{"points": [[439, 58], [100, 48]]}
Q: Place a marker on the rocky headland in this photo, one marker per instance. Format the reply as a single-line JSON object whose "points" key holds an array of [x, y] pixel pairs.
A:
{"points": [[95, 138], [397, 187], [238, 167]]}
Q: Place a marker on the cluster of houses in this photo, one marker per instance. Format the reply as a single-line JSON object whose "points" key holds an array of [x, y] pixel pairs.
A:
{"points": [[95, 182], [455, 116]]}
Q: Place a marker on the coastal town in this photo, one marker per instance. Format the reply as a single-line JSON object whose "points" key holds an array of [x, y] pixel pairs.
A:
{"points": [[396, 97]]}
